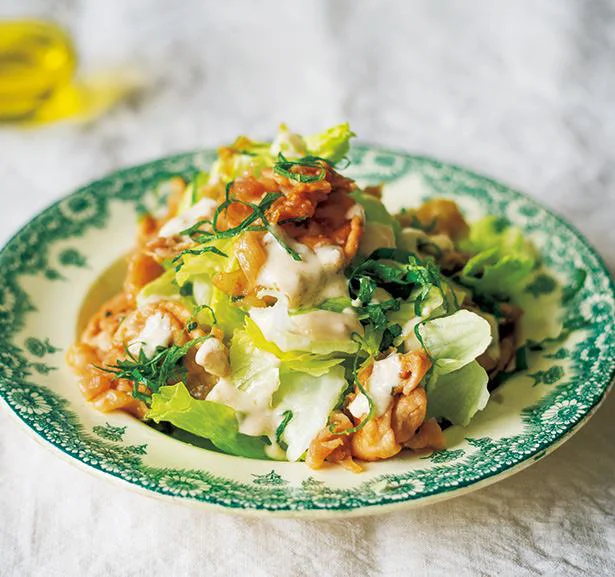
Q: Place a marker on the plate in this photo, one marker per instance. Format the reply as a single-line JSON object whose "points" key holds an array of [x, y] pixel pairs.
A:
{"points": [[49, 267]]}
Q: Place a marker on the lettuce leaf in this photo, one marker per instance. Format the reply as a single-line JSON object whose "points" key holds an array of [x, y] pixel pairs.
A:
{"points": [[311, 364], [505, 259], [455, 340], [430, 306], [193, 192], [376, 212], [381, 229], [249, 364], [265, 392], [164, 287], [493, 274], [246, 155], [230, 317], [332, 144], [199, 270], [253, 379], [375, 236], [496, 232], [458, 395], [243, 156], [208, 263], [290, 144], [207, 419], [310, 400]]}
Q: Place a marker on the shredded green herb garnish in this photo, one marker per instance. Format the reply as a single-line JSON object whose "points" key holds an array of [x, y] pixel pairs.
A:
{"points": [[152, 373], [192, 322], [375, 313], [397, 271], [355, 381], [196, 251], [336, 304], [286, 417], [391, 333], [186, 290], [419, 338], [400, 273], [203, 236], [284, 167]]}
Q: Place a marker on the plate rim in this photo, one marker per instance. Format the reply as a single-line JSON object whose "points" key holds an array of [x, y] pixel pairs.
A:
{"points": [[363, 509], [314, 514]]}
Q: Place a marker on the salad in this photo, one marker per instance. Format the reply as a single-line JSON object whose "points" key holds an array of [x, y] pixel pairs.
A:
{"points": [[277, 310]]}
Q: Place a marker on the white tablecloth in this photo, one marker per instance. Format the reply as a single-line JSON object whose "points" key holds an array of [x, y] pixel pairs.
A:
{"points": [[523, 91]]}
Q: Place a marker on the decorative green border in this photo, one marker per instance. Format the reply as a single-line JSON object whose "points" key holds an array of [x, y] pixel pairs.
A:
{"points": [[569, 398]]}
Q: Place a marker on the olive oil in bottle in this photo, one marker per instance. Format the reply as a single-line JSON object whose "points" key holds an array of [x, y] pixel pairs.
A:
{"points": [[37, 61]]}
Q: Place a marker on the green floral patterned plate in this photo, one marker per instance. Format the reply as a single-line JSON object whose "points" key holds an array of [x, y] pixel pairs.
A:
{"points": [[47, 269]]}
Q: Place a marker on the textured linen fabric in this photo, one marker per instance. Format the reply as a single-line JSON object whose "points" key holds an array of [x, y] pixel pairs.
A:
{"points": [[523, 91]]}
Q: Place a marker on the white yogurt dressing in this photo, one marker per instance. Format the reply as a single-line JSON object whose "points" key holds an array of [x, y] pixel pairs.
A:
{"points": [[386, 375], [310, 331], [359, 406], [203, 209], [157, 332], [253, 406], [327, 325], [212, 355], [316, 277]]}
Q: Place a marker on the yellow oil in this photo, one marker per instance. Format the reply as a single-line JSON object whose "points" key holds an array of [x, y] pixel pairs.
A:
{"points": [[37, 64]]}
